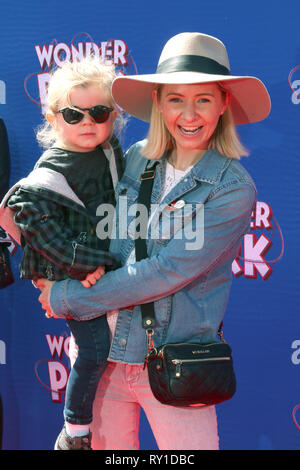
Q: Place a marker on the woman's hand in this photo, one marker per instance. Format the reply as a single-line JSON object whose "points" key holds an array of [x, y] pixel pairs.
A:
{"points": [[45, 286], [92, 278]]}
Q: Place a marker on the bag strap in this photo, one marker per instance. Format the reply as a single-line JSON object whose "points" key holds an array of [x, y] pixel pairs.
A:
{"points": [[144, 197], [147, 310]]}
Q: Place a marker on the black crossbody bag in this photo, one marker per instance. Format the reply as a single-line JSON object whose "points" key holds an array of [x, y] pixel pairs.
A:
{"points": [[183, 374]]}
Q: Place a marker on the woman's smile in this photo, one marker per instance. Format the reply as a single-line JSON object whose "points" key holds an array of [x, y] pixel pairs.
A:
{"points": [[190, 131]]}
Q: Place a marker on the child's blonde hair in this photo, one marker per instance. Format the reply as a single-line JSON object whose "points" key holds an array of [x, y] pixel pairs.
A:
{"points": [[89, 71], [225, 138]]}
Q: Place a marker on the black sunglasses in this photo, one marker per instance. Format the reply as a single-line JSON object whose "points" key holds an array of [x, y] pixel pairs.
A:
{"points": [[99, 113]]}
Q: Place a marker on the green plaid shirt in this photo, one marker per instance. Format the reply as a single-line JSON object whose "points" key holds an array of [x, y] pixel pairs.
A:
{"points": [[58, 235]]}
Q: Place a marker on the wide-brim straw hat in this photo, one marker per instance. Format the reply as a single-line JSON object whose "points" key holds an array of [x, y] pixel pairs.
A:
{"points": [[190, 58]]}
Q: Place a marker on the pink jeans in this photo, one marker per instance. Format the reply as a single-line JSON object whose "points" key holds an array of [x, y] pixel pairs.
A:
{"points": [[122, 390]]}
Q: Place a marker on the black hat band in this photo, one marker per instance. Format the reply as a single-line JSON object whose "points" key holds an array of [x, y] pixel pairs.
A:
{"points": [[192, 63]]}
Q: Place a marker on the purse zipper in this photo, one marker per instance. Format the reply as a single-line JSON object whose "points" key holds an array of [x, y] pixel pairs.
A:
{"points": [[178, 362], [161, 352]]}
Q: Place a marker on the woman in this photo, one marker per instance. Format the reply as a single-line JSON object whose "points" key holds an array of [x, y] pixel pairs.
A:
{"points": [[193, 104]]}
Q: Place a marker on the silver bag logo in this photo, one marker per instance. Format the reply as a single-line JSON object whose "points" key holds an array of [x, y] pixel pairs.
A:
{"points": [[113, 51], [256, 245]]}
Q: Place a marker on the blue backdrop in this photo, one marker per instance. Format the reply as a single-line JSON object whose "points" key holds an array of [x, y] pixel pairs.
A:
{"points": [[262, 321]]}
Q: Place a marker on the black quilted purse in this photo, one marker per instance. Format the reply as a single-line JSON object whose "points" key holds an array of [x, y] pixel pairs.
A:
{"points": [[183, 374]]}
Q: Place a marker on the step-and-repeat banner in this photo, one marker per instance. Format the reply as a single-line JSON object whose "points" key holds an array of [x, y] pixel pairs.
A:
{"points": [[262, 320]]}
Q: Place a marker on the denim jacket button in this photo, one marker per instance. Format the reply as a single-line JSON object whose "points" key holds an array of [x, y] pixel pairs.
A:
{"points": [[122, 342]]}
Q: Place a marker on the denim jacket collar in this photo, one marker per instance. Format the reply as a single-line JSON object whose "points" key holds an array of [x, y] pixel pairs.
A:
{"points": [[209, 168]]}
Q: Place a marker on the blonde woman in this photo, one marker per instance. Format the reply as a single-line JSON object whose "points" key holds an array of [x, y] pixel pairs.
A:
{"points": [[193, 105]]}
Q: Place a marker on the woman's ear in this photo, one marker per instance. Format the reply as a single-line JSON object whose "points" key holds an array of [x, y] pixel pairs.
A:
{"points": [[155, 99], [226, 102]]}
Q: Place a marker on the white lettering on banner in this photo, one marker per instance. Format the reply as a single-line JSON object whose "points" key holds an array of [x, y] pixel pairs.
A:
{"points": [[45, 55], [56, 345], [255, 247], [2, 352], [2, 92], [296, 354], [120, 52], [254, 251], [43, 80], [57, 54], [114, 52], [294, 85], [295, 95], [77, 54], [237, 268], [56, 370], [262, 215], [106, 49], [58, 375], [111, 52], [254, 262]]}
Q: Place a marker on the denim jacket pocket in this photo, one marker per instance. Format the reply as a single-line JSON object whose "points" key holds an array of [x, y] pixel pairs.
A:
{"points": [[128, 188]]}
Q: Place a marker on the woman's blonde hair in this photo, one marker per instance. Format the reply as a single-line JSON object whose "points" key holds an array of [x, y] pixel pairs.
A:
{"points": [[89, 71], [225, 138]]}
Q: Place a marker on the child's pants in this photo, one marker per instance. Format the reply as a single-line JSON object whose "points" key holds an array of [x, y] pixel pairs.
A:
{"points": [[93, 341], [122, 390]]}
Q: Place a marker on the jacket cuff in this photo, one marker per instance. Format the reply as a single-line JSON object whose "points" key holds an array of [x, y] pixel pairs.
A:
{"points": [[57, 300]]}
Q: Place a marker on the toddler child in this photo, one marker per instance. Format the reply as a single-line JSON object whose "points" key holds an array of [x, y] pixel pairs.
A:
{"points": [[54, 208]]}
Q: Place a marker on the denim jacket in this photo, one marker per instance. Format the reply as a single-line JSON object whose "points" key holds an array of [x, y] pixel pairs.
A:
{"points": [[190, 286]]}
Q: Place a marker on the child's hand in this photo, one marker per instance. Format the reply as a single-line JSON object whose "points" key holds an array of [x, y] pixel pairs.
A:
{"points": [[45, 286], [92, 278]]}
